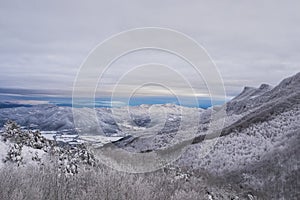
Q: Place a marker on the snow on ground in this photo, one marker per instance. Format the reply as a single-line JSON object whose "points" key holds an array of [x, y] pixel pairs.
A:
{"points": [[95, 140], [33, 156], [29, 155], [98, 141], [49, 136], [239, 149]]}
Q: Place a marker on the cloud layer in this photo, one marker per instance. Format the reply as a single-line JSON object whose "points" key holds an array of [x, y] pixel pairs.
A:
{"points": [[43, 43]]}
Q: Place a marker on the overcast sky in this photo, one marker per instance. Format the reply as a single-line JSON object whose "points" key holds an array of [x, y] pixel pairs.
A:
{"points": [[43, 43]]}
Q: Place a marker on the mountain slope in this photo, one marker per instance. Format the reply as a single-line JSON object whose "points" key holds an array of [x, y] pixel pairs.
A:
{"points": [[252, 98], [260, 150]]}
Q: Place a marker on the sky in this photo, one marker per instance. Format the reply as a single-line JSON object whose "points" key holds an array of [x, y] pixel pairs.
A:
{"points": [[43, 43]]}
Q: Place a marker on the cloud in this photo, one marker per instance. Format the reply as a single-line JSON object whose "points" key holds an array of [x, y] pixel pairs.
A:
{"points": [[42, 44]]}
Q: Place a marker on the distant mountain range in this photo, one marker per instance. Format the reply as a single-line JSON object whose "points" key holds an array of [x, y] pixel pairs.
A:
{"points": [[258, 148]]}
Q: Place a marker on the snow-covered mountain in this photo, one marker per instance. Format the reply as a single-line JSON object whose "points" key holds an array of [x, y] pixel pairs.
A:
{"points": [[258, 149], [259, 146], [253, 99], [112, 121], [55, 118]]}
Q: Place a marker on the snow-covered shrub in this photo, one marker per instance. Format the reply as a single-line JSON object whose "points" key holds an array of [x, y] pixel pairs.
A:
{"points": [[14, 154], [66, 156], [11, 130]]}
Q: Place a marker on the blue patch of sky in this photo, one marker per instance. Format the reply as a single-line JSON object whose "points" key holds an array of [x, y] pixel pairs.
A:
{"points": [[108, 102]]}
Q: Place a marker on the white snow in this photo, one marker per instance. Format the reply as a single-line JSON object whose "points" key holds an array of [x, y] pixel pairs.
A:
{"points": [[239, 149], [99, 140]]}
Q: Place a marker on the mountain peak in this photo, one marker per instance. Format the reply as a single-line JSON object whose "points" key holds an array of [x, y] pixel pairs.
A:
{"points": [[246, 92], [246, 88], [292, 82], [265, 86]]}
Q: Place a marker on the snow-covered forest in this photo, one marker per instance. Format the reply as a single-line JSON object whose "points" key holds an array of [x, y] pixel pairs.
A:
{"points": [[256, 156]]}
